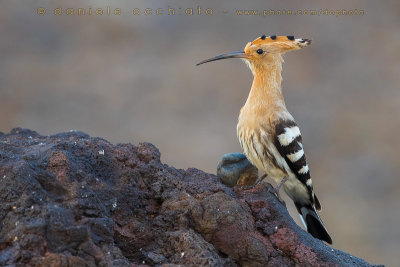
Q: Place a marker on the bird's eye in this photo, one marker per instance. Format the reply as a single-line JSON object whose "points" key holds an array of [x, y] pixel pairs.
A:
{"points": [[260, 51]]}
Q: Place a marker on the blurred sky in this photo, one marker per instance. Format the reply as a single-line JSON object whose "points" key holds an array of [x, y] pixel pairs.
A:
{"points": [[132, 78]]}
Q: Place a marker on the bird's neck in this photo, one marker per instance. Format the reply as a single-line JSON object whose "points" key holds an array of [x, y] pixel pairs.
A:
{"points": [[266, 90]]}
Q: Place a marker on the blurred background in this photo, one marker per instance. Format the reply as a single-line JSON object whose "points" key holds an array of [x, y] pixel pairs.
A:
{"points": [[132, 78]]}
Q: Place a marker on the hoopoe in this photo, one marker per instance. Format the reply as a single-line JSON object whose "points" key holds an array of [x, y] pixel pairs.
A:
{"points": [[268, 133]]}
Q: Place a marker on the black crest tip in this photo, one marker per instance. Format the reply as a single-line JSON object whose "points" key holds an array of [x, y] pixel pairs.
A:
{"points": [[290, 37], [273, 37], [263, 37]]}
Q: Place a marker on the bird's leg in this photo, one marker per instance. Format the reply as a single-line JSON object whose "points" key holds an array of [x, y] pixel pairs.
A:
{"points": [[275, 190], [260, 179]]}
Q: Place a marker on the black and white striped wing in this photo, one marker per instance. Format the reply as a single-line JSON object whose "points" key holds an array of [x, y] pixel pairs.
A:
{"points": [[289, 144]]}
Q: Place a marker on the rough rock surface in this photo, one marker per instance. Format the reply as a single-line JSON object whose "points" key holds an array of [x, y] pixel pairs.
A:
{"points": [[73, 200]]}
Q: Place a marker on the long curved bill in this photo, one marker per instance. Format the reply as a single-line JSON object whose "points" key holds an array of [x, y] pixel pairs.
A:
{"points": [[238, 54]]}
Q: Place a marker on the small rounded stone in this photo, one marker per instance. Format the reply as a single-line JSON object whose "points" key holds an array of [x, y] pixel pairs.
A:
{"points": [[235, 169]]}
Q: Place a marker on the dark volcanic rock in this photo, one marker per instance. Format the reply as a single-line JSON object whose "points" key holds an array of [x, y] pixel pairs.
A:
{"points": [[73, 200]]}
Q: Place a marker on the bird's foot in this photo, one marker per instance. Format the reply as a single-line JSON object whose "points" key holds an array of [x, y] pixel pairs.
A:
{"points": [[255, 184], [275, 190], [245, 187]]}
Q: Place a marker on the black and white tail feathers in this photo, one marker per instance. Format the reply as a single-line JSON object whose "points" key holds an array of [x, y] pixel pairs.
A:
{"points": [[313, 222], [288, 141]]}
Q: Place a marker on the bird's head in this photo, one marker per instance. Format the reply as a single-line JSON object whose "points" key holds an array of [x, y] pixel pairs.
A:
{"points": [[264, 50]]}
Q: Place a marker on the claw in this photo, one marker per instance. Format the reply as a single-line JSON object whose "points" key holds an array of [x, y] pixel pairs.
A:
{"points": [[245, 187]]}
